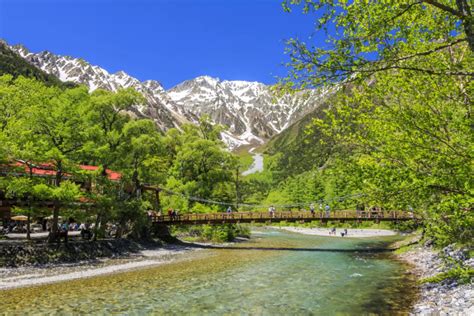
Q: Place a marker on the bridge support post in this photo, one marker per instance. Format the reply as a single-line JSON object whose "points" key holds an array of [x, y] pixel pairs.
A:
{"points": [[161, 231], [157, 200]]}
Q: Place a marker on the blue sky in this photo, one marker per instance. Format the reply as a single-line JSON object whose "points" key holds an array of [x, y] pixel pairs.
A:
{"points": [[166, 40]]}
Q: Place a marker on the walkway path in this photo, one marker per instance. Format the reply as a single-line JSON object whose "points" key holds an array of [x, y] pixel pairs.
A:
{"points": [[42, 235]]}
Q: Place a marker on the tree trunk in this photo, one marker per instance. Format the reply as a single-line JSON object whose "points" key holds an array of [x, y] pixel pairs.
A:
{"points": [[121, 229], [136, 183], [467, 21], [53, 236], [28, 235], [157, 199], [98, 221], [237, 195], [30, 209]]}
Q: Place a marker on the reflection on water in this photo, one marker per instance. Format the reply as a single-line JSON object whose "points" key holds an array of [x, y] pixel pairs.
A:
{"points": [[239, 281]]}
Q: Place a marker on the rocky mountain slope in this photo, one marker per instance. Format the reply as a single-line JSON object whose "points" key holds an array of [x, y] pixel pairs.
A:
{"points": [[249, 109], [12, 64]]}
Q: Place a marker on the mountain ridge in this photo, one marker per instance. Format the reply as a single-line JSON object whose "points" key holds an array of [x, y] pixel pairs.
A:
{"points": [[250, 110]]}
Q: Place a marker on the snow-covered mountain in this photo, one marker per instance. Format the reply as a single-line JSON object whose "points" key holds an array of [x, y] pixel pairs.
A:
{"points": [[77, 70], [249, 109]]}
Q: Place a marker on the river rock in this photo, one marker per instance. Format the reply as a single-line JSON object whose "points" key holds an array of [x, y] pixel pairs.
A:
{"points": [[23, 254], [447, 297]]}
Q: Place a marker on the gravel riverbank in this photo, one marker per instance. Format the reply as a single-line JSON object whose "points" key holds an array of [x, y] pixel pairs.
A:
{"points": [[131, 256], [447, 297], [351, 232]]}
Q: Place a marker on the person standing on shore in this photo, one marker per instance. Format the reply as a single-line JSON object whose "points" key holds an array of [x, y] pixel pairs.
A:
{"points": [[311, 208]]}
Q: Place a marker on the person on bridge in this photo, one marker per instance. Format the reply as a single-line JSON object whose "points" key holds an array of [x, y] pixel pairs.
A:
{"points": [[271, 211], [229, 210], [311, 208], [328, 210]]}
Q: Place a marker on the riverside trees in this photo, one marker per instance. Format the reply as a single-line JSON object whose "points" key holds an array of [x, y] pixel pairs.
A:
{"points": [[402, 115], [59, 129]]}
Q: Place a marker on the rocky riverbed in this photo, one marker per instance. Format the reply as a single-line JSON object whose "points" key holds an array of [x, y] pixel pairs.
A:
{"points": [[32, 264], [20, 253], [447, 297]]}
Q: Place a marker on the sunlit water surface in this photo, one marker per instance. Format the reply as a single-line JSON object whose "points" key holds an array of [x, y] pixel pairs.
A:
{"points": [[293, 278]]}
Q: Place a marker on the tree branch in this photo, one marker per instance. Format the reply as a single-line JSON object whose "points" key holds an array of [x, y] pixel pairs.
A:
{"points": [[445, 8]]}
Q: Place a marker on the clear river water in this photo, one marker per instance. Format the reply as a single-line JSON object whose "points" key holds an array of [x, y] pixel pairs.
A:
{"points": [[275, 273]]}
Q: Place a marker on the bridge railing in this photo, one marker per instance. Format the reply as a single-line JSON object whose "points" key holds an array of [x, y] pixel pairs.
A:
{"points": [[282, 215]]}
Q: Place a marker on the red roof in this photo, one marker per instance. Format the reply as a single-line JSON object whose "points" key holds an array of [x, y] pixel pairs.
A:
{"points": [[112, 175], [42, 169], [47, 170]]}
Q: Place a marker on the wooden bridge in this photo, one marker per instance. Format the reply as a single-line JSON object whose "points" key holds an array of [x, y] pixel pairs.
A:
{"points": [[288, 216]]}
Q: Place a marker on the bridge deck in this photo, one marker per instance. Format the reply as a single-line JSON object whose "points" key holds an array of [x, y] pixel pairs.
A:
{"points": [[262, 217]]}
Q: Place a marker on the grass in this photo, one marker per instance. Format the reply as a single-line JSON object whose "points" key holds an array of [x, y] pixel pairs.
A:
{"points": [[462, 274], [403, 249], [245, 158], [246, 161]]}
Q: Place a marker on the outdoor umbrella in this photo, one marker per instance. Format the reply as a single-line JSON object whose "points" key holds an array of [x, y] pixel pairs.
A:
{"points": [[19, 218], [51, 217]]}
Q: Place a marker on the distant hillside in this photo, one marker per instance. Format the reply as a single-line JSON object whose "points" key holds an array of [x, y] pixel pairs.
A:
{"points": [[297, 151], [14, 64]]}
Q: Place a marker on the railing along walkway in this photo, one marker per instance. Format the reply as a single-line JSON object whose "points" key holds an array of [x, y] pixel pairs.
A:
{"points": [[289, 216]]}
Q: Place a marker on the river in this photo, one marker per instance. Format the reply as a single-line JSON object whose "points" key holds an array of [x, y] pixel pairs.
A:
{"points": [[257, 165], [299, 275]]}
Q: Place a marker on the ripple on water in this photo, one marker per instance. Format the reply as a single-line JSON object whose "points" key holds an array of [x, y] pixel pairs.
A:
{"points": [[237, 281]]}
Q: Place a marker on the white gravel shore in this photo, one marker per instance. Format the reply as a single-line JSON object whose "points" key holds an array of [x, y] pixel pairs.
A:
{"points": [[351, 233], [29, 276], [445, 298]]}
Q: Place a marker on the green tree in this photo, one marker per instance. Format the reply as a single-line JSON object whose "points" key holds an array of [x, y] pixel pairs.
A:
{"points": [[59, 121], [366, 37], [21, 189], [142, 164], [403, 129], [200, 166], [106, 118]]}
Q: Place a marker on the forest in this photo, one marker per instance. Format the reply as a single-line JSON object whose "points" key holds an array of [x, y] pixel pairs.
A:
{"points": [[394, 129]]}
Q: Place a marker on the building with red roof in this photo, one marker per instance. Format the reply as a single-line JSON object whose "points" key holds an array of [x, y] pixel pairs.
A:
{"points": [[22, 168]]}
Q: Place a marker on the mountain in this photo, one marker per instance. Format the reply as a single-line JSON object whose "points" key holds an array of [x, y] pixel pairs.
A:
{"points": [[301, 147], [11, 63], [79, 71], [296, 151], [249, 109], [252, 113]]}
